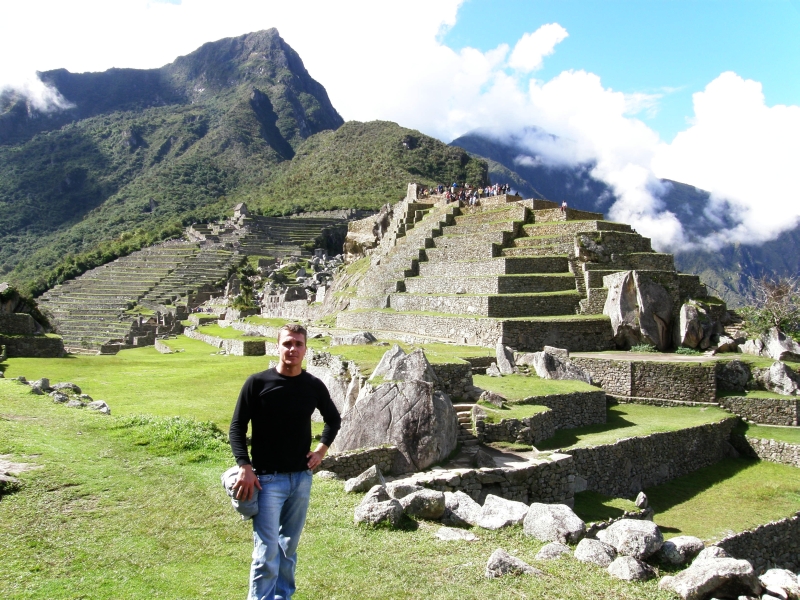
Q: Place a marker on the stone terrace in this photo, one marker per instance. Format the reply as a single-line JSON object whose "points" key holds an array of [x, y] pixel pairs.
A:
{"points": [[89, 311], [513, 269]]}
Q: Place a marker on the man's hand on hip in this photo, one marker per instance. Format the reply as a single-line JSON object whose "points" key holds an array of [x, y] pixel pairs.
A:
{"points": [[243, 487], [315, 457]]}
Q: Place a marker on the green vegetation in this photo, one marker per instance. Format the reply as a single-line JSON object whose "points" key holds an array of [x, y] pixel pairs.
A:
{"points": [[519, 387], [781, 434], [267, 321], [630, 420], [496, 414], [687, 351], [754, 394], [743, 494], [229, 333], [643, 348]]}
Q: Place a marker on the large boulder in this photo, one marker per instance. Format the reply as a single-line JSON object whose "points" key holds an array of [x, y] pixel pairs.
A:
{"points": [[595, 552], [425, 504], [388, 361], [376, 513], [780, 346], [714, 577], [400, 489], [353, 339], [680, 550], [552, 366], [365, 481], [553, 523], [690, 328], [781, 583], [640, 310], [498, 512], [754, 347], [781, 380], [411, 367], [628, 568], [407, 414], [552, 551], [733, 376], [633, 537], [505, 359], [460, 509], [502, 563]]}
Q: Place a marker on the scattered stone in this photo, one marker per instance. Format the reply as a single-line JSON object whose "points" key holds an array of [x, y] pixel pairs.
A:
{"points": [[781, 583], [67, 386], [401, 489], [552, 551], [502, 563], [353, 339], [21, 379], [99, 406], [596, 552], [680, 550], [721, 577], [425, 504], [364, 481], [781, 379], [562, 353], [505, 359], [377, 493], [460, 509], [733, 376], [628, 568], [498, 512], [726, 344], [35, 389], [59, 397], [451, 534], [493, 371], [483, 459], [632, 537], [492, 398], [43, 383], [780, 346], [375, 513], [75, 404], [554, 523], [641, 500], [323, 474]]}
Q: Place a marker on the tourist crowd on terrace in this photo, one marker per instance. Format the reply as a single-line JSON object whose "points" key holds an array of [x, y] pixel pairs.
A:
{"points": [[465, 194]]}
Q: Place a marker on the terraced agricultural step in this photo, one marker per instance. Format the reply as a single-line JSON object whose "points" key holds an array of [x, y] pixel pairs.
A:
{"points": [[479, 228], [465, 252], [571, 214], [572, 227], [495, 266], [498, 306], [491, 284], [513, 212], [551, 250]]}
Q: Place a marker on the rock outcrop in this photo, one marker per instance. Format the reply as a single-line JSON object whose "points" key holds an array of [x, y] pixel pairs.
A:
{"points": [[640, 310]]}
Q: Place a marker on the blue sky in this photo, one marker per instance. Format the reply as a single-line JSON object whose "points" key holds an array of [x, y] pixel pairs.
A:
{"points": [[654, 46]]}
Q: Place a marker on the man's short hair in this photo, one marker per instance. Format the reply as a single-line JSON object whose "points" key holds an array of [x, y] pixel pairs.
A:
{"points": [[293, 328]]}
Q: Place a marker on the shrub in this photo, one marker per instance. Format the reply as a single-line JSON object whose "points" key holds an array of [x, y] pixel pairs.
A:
{"points": [[166, 436], [687, 351], [643, 348]]}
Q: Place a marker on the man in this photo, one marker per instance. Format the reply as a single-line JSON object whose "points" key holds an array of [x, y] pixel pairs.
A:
{"points": [[279, 403]]}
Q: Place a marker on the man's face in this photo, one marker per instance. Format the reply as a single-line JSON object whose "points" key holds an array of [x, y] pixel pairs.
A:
{"points": [[291, 348]]}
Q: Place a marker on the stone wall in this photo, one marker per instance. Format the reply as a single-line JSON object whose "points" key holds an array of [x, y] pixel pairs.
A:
{"points": [[772, 450], [767, 411], [162, 347], [501, 306], [234, 347], [353, 463], [34, 346], [579, 335], [575, 409], [548, 480], [530, 430], [625, 468], [17, 324], [674, 381], [454, 378], [775, 545], [276, 306], [250, 329]]}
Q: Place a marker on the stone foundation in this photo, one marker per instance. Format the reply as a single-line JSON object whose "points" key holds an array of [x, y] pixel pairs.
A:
{"points": [[33, 346], [234, 347], [351, 464], [17, 324], [767, 411], [530, 430], [772, 450], [575, 409]]}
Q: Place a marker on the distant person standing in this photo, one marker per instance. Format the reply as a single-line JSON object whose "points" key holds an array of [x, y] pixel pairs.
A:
{"points": [[563, 207], [279, 403]]}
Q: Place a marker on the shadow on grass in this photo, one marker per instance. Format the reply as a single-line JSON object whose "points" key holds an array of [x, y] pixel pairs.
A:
{"points": [[665, 496], [591, 506], [568, 437]]}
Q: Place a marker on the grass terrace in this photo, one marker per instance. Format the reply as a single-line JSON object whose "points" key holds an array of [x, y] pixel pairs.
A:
{"points": [[229, 333], [631, 420], [516, 388], [495, 414], [767, 432]]}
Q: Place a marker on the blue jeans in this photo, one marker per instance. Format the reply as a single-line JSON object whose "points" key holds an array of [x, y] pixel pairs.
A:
{"points": [[282, 506]]}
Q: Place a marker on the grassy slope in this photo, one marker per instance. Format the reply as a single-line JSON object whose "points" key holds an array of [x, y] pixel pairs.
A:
{"points": [[518, 387]]}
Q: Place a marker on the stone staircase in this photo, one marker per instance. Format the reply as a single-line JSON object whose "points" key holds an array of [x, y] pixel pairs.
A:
{"points": [[525, 272], [466, 437]]}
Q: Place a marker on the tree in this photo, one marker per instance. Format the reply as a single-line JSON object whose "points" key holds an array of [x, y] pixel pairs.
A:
{"points": [[776, 303]]}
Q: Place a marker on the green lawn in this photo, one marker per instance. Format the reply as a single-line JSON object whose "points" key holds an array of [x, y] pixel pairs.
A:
{"points": [[756, 394], [783, 434], [510, 411], [630, 420], [519, 387], [111, 514], [197, 382], [229, 333], [730, 496]]}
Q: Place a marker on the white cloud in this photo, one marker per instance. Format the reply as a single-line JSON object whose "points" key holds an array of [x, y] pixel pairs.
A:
{"points": [[387, 61], [531, 48]]}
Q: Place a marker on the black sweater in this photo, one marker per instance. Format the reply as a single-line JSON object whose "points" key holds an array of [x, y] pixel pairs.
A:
{"points": [[280, 410]]}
